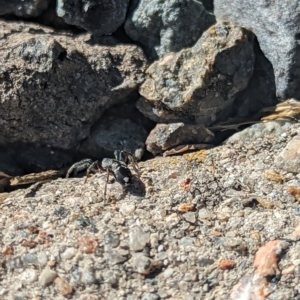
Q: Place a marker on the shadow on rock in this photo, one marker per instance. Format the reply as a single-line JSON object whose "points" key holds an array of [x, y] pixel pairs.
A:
{"points": [[136, 188]]}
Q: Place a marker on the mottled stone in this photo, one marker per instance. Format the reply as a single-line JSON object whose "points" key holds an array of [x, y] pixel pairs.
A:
{"points": [[267, 257], [166, 136], [127, 209], [235, 244], [29, 276], [30, 259], [167, 26], [227, 264], [47, 277], [276, 25], [190, 217], [63, 287], [88, 275], [69, 253], [114, 257], [289, 158], [138, 239], [143, 264], [259, 130], [42, 258], [21, 8], [79, 79], [256, 285], [197, 84], [98, 16], [111, 239], [148, 296]]}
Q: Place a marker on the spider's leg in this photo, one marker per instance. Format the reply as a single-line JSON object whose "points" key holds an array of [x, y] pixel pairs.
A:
{"points": [[105, 187], [79, 166], [91, 169], [134, 163]]}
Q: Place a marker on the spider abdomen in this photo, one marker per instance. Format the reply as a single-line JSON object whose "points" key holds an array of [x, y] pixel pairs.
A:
{"points": [[119, 169]]}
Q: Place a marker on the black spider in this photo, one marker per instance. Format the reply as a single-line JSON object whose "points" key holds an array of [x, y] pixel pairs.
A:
{"points": [[118, 167]]}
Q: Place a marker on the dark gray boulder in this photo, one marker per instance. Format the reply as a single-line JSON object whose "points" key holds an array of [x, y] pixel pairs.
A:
{"points": [[277, 27], [121, 127], [261, 90], [7, 163], [23, 8], [167, 26], [197, 84], [54, 87], [101, 17]]}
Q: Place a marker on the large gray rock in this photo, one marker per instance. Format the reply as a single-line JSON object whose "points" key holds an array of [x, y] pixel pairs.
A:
{"points": [[196, 84], [21, 8], [167, 26], [53, 87], [97, 16], [277, 27]]}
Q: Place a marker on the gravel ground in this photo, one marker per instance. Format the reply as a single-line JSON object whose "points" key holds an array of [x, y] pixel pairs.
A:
{"points": [[212, 224]]}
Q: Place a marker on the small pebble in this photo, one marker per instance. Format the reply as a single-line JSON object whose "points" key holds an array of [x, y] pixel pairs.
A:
{"points": [[111, 239], [160, 248], [29, 276], [51, 263], [226, 264], [168, 272], [143, 264], [47, 277], [30, 259], [149, 296], [138, 238], [64, 288], [190, 217], [69, 253], [127, 209]]}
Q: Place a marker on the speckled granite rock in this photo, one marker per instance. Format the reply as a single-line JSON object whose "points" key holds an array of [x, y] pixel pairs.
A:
{"points": [[21, 8], [276, 25], [167, 26], [189, 228], [97, 16], [166, 136], [289, 158], [196, 84], [55, 86]]}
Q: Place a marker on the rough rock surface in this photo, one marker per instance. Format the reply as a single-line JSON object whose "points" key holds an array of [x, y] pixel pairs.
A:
{"points": [[198, 83], [21, 8], [167, 26], [55, 86], [166, 136], [276, 25], [289, 158], [190, 229], [97, 16]]}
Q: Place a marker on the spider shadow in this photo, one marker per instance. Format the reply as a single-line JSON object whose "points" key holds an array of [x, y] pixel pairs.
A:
{"points": [[135, 188]]}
